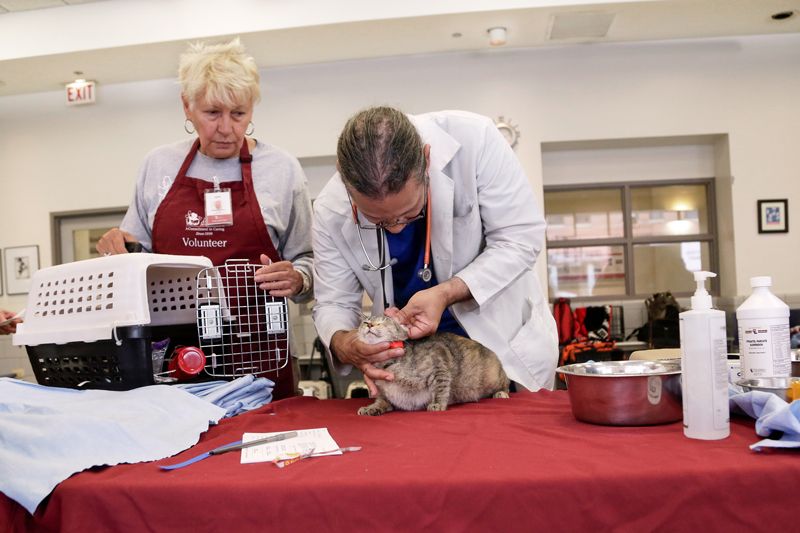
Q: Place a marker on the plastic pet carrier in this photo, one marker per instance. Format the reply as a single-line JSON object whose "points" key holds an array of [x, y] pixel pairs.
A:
{"points": [[90, 324]]}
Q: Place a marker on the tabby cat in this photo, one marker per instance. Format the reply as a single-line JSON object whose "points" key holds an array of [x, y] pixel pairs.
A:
{"points": [[436, 371]]}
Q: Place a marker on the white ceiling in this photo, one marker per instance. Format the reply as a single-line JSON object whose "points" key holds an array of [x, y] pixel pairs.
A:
{"points": [[7, 6], [588, 22]]}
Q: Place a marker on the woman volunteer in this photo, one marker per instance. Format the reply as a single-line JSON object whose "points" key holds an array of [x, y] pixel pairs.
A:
{"points": [[224, 195]]}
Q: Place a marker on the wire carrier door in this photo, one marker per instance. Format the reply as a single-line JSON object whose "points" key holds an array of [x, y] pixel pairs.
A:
{"points": [[242, 329]]}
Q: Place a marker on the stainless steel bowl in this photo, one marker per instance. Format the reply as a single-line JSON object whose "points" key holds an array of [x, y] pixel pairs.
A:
{"points": [[625, 393], [780, 386]]}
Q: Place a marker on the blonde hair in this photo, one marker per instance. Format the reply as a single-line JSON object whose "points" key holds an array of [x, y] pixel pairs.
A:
{"points": [[221, 73]]}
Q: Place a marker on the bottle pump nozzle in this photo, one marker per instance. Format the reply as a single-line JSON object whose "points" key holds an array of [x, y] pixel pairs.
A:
{"points": [[701, 298]]}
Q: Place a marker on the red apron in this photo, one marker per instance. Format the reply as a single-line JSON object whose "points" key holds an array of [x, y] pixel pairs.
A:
{"points": [[178, 229]]}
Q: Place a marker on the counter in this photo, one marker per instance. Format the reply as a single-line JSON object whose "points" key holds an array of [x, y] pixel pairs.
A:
{"points": [[519, 464]]}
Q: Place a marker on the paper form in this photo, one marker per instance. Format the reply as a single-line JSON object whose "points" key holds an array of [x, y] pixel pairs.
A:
{"points": [[317, 439]]}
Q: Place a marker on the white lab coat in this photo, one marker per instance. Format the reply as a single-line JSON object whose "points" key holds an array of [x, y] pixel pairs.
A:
{"points": [[486, 229]]}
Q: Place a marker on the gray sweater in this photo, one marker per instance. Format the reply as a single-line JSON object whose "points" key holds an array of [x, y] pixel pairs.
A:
{"points": [[278, 181]]}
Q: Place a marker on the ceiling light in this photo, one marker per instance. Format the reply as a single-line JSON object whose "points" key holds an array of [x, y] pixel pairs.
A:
{"points": [[497, 36], [782, 15]]}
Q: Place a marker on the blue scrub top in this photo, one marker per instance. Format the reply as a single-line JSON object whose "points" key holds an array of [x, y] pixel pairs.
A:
{"points": [[408, 247]]}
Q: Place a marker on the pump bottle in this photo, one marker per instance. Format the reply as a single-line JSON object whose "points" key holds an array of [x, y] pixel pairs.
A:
{"points": [[704, 367], [764, 340]]}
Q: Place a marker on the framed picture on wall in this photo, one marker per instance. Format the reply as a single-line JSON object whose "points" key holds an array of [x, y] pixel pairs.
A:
{"points": [[1, 277], [773, 216], [19, 264]]}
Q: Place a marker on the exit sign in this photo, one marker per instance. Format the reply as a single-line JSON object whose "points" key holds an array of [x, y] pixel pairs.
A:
{"points": [[80, 92]]}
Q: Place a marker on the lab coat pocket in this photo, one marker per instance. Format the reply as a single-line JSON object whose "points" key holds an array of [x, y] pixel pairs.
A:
{"points": [[534, 347], [463, 209], [467, 238]]}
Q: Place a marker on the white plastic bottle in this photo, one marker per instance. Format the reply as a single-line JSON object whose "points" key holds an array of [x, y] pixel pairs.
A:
{"points": [[704, 367], [764, 341]]}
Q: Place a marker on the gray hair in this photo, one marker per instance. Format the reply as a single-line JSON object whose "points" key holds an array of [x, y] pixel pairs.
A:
{"points": [[379, 149], [222, 73]]}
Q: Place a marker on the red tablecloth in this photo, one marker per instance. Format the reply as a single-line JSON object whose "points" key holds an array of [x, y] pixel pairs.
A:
{"points": [[523, 464]]}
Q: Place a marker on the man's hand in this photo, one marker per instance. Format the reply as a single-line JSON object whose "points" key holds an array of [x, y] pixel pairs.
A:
{"points": [[113, 242], [280, 279], [346, 346], [424, 310], [420, 316]]}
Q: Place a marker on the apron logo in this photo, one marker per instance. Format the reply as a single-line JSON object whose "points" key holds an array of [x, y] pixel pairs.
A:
{"points": [[193, 220]]}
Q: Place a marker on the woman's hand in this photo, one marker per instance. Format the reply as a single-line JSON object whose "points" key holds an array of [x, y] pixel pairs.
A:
{"points": [[346, 346], [11, 327], [113, 242], [279, 279]]}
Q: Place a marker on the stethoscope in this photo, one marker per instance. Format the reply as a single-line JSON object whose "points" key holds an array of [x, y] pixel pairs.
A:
{"points": [[425, 273]]}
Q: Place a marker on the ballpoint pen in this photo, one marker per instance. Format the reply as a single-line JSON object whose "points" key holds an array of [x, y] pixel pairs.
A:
{"points": [[282, 462]]}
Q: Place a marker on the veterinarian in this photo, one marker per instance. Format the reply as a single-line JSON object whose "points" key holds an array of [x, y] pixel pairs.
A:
{"points": [[222, 193], [434, 215]]}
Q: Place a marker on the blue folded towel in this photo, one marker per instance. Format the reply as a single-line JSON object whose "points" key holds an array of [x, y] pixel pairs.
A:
{"points": [[49, 433], [771, 414], [238, 396]]}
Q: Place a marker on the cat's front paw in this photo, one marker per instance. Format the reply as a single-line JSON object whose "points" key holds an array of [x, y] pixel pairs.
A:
{"points": [[437, 406], [378, 407], [500, 394]]}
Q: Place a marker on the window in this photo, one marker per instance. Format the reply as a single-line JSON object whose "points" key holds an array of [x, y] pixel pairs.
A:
{"points": [[75, 233], [629, 239]]}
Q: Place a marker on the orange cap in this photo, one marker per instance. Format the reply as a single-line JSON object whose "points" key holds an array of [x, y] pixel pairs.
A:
{"points": [[795, 390]]}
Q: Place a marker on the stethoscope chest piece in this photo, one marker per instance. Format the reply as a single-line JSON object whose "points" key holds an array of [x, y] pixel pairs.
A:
{"points": [[425, 274]]}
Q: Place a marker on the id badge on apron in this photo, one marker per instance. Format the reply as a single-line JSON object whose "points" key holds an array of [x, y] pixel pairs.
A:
{"points": [[219, 210]]}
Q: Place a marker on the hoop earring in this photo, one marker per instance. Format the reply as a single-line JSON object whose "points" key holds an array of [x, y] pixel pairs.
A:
{"points": [[186, 124], [250, 129]]}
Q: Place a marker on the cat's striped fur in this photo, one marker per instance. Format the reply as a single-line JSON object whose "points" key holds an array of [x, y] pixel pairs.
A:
{"points": [[436, 371]]}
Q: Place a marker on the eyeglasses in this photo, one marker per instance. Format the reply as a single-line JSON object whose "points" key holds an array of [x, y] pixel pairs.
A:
{"points": [[384, 225]]}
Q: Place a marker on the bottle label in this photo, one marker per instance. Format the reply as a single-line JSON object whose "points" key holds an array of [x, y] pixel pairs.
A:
{"points": [[764, 348], [704, 377], [719, 366]]}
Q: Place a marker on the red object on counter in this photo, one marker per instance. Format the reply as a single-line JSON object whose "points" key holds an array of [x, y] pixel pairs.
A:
{"points": [[187, 362]]}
